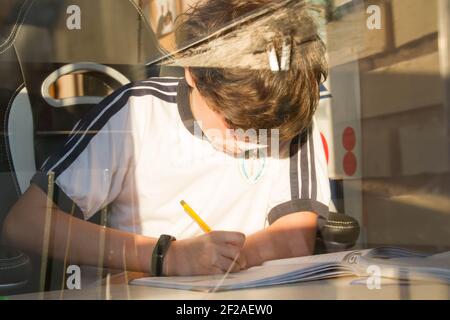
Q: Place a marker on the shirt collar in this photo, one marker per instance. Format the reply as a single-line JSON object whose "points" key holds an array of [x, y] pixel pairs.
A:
{"points": [[184, 108]]}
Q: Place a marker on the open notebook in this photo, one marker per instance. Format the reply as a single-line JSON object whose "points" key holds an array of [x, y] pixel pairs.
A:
{"points": [[389, 262]]}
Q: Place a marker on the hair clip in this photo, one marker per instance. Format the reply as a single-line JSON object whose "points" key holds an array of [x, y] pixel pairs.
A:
{"points": [[273, 59]]}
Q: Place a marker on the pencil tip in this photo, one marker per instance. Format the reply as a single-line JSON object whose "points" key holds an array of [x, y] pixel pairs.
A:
{"points": [[182, 202]]}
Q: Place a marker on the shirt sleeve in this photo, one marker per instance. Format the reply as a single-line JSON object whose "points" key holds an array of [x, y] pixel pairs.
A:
{"points": [[301, 182], [91, 166]]}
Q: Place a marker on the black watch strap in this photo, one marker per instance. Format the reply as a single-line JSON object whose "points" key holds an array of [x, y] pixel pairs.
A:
{"points": [[159, 253]]}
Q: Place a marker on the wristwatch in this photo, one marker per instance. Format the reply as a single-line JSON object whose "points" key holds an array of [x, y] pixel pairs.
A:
{"points": [[159, 253]]}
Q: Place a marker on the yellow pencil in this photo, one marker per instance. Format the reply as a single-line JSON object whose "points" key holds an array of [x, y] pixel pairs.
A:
{"points": [[195, 217]]}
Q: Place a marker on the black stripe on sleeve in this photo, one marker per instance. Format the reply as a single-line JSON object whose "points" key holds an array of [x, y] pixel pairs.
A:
{"points": [[313, 165], [78, 133], [81, 127], [78, 144], [60, 198], [168, 89], [305, 203], [103, 121], [299, 205], [304, 166], [165, 80], [293, 168]]}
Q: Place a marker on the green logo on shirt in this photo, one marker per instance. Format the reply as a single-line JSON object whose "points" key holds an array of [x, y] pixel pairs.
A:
{"points": [[253, 165]]}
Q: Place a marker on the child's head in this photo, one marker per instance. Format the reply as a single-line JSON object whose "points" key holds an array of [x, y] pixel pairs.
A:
{"points": [[258, 98]]}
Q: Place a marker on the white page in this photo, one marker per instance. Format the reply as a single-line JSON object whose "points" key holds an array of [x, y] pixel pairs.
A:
{"points": [[252, 274], [354, 262], [336, 257]]}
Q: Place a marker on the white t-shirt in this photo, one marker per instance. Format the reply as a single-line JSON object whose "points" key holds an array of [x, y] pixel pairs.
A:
{"points": [[139, 153]]}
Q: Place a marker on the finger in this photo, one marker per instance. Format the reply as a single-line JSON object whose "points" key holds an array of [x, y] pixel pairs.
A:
{"points": [[227, 265], [210, 270], [229, 251], [235, 266], [239, 262], [242, 261], [215, 270]]}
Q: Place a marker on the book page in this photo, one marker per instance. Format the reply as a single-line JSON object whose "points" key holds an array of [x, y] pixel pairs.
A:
{"points": [[337, 257]]}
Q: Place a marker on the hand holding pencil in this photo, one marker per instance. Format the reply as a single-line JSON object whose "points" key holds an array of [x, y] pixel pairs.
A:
{"points": [[214, 252]]}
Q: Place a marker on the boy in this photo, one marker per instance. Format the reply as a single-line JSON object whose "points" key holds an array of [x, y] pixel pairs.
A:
{"points": [[145, 156]]}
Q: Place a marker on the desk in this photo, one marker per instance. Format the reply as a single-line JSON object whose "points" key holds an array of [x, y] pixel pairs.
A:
{"points": [[332, 289]]}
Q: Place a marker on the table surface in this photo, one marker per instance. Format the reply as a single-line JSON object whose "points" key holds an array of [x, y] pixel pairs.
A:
{"points": [[348, 288]]}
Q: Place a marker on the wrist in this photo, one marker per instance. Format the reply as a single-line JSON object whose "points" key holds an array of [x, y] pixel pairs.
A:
{"points": [[142, 253], [252, 255]]}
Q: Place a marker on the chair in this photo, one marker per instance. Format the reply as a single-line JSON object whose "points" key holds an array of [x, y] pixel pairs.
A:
{"points": [[15, 266]]}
